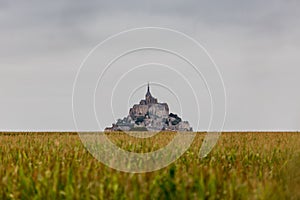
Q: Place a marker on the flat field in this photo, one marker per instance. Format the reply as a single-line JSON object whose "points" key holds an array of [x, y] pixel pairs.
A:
{"points": [[241, 166]]}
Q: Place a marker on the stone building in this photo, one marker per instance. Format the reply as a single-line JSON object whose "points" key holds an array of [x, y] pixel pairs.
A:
{"points": [[150, 115]]}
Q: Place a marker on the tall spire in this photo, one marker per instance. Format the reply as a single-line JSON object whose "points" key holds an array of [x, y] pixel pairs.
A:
{"points": [[148, 91], [149, 99]]}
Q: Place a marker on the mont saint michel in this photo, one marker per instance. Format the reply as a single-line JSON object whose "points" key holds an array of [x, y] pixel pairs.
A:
{"points": [[150, 115]]}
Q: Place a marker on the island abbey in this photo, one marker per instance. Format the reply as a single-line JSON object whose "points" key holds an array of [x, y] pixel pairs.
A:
{"points": [[150, 115]]}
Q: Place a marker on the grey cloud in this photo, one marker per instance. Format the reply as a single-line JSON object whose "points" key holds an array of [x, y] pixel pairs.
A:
{"points": [[255, 44]]}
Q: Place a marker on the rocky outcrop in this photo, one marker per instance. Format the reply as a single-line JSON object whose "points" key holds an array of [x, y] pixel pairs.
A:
{"points": [[149, 115]]}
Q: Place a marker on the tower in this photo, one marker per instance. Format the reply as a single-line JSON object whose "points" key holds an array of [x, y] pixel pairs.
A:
{"points": [[148, 91], [149, 98]]}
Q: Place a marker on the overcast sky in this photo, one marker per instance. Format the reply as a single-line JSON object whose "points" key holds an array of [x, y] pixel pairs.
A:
{"points": [[255, 44]]}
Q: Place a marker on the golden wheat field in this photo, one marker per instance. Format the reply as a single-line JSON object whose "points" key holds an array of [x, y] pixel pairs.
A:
{"points": [[241, 166]]}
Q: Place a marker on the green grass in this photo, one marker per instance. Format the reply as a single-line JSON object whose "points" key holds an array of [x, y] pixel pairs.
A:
{"points": [[241, 166]]}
